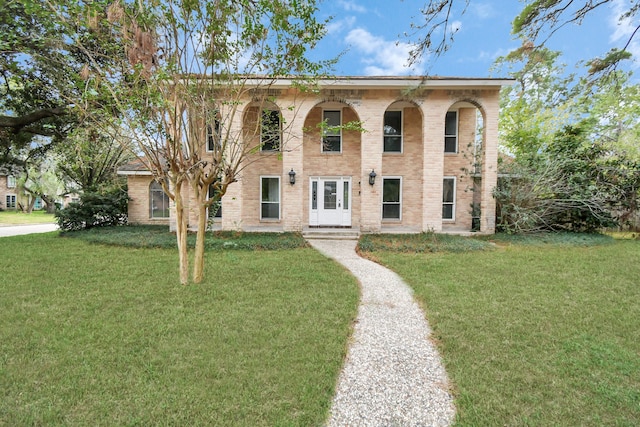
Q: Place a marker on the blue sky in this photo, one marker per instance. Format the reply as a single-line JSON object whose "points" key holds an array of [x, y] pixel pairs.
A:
{"points": [[370, 33]]}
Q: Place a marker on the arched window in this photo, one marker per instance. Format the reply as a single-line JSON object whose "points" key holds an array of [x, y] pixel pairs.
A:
{"points": [[158, 201]]}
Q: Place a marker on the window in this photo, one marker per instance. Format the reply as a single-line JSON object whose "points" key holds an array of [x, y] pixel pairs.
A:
{"points": [[391, 197], [270, 197], [332, 135], [393, 132], [11, 181], [158, 201], [213, 136], [270, 131], [449, 198], [451, 132], [215, 208], [10, 201]]}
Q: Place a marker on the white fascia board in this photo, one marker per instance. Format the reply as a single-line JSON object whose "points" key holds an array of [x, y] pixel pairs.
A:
{"points": [[135, 173]]}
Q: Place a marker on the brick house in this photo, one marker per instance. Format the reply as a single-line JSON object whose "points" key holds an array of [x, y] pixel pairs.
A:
{"points": [[8, 191], [426, 161]]}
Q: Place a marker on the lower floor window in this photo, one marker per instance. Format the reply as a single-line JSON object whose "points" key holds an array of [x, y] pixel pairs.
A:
{"points": [[449, 198], [391, 198], [10, 201], [270, 197], [158, 201], [216, 208]]}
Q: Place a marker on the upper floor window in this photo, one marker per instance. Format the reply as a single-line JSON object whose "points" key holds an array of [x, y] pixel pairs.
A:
{"points": [[393, 132], [214, 142], [332, 134], [11, 181], [451, 132], [158, 201], [270, 131]]}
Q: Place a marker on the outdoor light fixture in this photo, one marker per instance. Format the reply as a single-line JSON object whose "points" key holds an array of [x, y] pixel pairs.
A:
{"points": [[292, 176], [372, 177]]}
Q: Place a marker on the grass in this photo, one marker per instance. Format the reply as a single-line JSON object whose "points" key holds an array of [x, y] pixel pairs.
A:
{"points": [[422, 242], [102, 335], [535, 332], [19, 218], [158, 236]]}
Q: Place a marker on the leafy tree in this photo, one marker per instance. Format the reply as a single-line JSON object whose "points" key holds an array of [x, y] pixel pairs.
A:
{"points": [[187, 66], [536, 23]]}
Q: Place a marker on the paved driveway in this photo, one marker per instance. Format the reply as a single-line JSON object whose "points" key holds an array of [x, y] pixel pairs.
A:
{"points": [[16, 230]]}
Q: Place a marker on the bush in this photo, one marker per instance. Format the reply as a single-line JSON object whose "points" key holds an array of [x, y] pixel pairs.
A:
{"points": [[94, 210]]}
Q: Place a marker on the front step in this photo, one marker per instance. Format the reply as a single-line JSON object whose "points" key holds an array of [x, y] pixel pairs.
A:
{"points": [[331, 234]]}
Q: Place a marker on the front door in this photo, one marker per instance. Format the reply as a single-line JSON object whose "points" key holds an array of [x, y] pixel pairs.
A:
{"points": [[330, 201]]}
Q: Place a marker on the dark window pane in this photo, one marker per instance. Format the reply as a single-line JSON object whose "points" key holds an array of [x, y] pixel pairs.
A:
{"points": [[330, 193], [393, 144], [331, 143], [270, 210], [391, 190], [270, 190], [447, 211], [447, 190], [270, 131], [450, 143], [393, 123], [391, 211], [345, 196], [451, 123], [314, 195]]}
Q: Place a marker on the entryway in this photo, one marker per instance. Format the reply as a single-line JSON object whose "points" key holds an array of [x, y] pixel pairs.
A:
{"points": [[330, 201]]}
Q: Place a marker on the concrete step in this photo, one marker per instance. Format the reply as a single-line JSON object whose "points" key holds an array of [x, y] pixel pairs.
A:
{"points": [[331, 234]]}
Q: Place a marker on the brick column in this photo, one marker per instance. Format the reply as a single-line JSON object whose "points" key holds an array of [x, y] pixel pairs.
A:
{"points": [[491, 103], [371, 113], [292, 158], [433, 110]]}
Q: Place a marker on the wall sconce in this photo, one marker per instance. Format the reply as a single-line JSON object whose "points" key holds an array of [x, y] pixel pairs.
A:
{"points": [[292, 177], [372, 177]]}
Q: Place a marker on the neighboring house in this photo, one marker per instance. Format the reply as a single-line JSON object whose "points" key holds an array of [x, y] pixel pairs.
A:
{"points": [[427, 161], [8, 191]]}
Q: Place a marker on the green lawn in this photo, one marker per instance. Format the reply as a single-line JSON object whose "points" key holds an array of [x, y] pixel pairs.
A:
{"points": [[102, 335], [535, 334], [19, 218]]}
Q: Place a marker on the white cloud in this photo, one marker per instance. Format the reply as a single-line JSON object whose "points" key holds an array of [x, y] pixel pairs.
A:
{"points": [[482, 10], [455, 26], [624, 29], [380, 56], [336, 27], [351, 6]]}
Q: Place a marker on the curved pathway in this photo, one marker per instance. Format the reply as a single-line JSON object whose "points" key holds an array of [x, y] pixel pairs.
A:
{"points": [[393, 375], [17, 230]]}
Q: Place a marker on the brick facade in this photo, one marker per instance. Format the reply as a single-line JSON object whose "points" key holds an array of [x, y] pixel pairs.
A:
{"points": [[421, 165]]}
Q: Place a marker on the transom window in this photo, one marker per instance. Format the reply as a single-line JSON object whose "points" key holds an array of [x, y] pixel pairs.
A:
{"points": [[449, 198], [391, 198], [270, 131], [393, 132], [332, 135], [451, 132], [158, 201], [270, 197]]}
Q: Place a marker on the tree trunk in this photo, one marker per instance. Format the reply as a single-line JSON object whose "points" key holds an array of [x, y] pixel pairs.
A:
{"points": [[198, 263], [181, 235], [50, 204]]}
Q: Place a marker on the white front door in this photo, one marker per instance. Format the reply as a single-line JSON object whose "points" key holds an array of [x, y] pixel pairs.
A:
{"points": [[330, 201]]}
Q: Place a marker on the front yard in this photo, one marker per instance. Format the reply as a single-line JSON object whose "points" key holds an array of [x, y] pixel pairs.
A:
{"points": [[19, 218], [535, 334], [102, 335]]}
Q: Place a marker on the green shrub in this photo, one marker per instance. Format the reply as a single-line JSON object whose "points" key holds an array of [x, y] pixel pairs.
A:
{"points": [[94, 210]]}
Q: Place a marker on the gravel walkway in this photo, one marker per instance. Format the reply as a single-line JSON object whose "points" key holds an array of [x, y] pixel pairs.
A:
{"points": [[393, 375]]}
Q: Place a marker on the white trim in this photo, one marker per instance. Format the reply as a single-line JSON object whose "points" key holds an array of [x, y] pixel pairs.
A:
{"points": [[279, 199], [15, 201], [362, 82], [457, 134], [136, 173], [339, 110], [382, 202], [455, 195], [401, 110]]}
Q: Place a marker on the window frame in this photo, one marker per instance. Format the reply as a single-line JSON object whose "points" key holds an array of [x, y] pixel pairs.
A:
{"points": [[401, 135], [11, 181], [152, 192], [455, 136], [399, 202], [11, 201], [325, 134], [262, 179], [268, 140], [452, 203]]}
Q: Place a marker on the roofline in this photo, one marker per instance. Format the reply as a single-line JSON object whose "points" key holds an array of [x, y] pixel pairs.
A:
{"points": [[390, 82], [135, 173]]}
